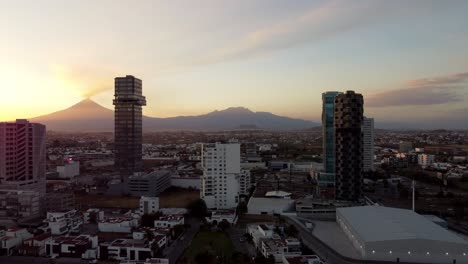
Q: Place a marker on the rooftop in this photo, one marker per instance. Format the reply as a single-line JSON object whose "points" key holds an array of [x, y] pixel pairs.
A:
{"points": [[394, 224]]}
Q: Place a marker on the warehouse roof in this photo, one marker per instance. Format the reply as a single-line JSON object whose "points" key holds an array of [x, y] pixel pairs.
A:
{"points": [[379, 223]]}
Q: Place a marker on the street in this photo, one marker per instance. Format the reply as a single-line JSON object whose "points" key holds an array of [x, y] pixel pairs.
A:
{"points": [[177, 248]]}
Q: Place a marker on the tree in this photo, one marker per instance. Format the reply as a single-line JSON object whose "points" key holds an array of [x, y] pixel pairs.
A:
{"points": [[155, 249], [271, 259], [248, 237], [177, 230], [291, 230], [205, 257], [242, 208], [198, 208], [147, 220], [224, 225]]}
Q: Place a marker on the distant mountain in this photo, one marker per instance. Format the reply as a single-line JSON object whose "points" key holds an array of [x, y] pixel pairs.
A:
{"points": [[88, 116]]}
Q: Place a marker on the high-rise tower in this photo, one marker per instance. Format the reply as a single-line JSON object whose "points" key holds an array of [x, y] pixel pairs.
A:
{"points": [[328, 130], [348, 145], [128, 134], [368, 144], [22, 156]]}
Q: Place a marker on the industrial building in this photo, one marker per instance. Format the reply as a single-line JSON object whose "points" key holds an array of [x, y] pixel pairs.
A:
{"points": [[149, 184], [399, 235]]}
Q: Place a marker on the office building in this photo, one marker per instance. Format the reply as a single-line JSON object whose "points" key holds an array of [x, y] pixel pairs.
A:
{"points": [[128, 135], [149, 184], [328, 131], [348, 146], [221, 173], [22, 156], [368, 144]]}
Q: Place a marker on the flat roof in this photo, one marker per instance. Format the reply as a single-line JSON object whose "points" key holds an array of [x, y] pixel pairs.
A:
{"points": [[379, 223]]}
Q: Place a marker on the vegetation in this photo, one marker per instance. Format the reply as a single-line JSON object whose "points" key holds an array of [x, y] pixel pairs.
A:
{"points": [[208, 243], [198, 208], [147, 220], [291, 230]]}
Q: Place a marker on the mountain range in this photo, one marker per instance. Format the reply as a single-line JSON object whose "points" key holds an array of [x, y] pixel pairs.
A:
{"points": [[88, 116]]}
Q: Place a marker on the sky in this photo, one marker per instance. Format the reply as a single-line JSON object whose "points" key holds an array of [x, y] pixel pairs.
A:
{"points": [[408, 58]]}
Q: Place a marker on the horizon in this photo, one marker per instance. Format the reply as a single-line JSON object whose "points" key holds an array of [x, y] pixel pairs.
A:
{"points": [[409, 60]]}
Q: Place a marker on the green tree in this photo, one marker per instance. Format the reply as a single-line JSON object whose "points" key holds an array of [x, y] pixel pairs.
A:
{"points": [[147, 220], [291, 230], [198, 209], [205, 257], [224, 225]]}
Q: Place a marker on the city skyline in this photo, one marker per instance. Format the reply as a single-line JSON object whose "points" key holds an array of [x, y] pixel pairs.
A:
{"points": [[412, 58]]}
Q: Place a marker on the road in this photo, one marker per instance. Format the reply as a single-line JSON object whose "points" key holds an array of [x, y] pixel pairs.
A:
{"points": [[177, 248]]}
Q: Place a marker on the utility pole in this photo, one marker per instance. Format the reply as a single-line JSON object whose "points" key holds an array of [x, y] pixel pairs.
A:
{"points": [[413, 185]]}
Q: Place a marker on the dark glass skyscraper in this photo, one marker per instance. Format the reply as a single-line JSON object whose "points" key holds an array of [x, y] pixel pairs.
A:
{"points": [[348, 146], [128, 131], [328, 131]]}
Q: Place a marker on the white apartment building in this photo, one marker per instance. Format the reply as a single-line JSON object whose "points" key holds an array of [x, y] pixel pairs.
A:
{"points": [[62, 222], [13, 237], [149, 205], [169, 221], [368, 144], [220, 186], [425, 160], [244, 182]]}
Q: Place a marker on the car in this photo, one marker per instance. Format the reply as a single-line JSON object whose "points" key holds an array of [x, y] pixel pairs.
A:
{"points": [[93, 261], [242, 240]]}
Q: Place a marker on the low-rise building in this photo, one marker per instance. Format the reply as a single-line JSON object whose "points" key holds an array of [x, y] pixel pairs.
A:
{"points": [[125, 250], [149, 205], [169, 221], [13, 238], [82, 246], [122, 224], [62, 222], [221, 215], [35, 246], [425, 160], [69, 169]]}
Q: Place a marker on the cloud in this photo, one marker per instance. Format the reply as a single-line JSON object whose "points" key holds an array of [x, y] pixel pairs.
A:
{"points": [[427, 91], [314, 24], [85, 80]]}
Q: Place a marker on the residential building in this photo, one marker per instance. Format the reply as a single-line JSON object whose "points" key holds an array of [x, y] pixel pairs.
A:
{"points": [[22, 156], [149, 184], [220, 186], [20, 205], [13, 238], [244, 182], [368, 144], [125, 249], [348, 118], [425, 160], [35, 246], [149, 205], [62, 222], [222, 215], [123, 224], [128, 132], [169, 221], [82, 246]]}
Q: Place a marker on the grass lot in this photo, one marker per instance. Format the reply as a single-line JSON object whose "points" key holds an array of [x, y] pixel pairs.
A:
{"points": [[170, 198], [216, 242]]}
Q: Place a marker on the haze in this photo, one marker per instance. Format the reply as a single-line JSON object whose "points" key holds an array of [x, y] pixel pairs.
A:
{"points": [[409, 59]]}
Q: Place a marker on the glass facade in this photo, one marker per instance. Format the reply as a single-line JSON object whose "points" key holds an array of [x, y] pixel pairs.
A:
{"points": [[328, 133], [128, 128]]}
